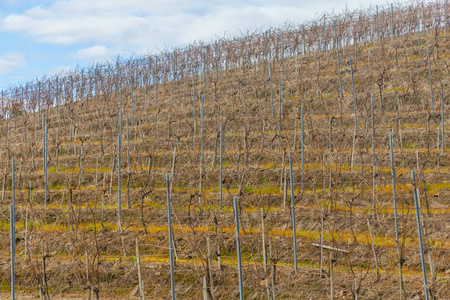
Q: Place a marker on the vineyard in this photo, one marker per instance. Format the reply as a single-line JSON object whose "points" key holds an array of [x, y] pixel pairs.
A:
{"points": [[306, 161]]}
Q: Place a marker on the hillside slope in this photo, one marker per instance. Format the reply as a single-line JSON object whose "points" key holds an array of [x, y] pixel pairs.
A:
{"points": [[269, 108]]}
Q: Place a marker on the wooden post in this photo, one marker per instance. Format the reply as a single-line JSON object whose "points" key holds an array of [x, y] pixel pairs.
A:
{"points": [[373, 250], [205, 289], [141, 284]]}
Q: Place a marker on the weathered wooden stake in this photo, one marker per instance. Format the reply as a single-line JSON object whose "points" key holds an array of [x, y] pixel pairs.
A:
{"points": [[373, 250], [141, 284]]}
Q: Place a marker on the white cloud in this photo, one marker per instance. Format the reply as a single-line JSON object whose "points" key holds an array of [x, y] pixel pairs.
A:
{"points": [[94, 52], [10, 62], [139, 25]]}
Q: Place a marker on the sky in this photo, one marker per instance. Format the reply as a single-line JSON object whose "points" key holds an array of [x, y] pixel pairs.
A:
{"points": [[47, 37]]}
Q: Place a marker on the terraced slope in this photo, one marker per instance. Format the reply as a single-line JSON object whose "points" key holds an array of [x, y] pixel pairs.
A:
{"points": [[77, 238]]}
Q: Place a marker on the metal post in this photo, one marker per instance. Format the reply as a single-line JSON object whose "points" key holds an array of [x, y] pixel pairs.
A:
{"points": [[221, 163], [238, 246], [395, 216], [169, 221], [203, 131], [442, 116], [128, 164], [294, 233], [431, 84], [132, 102], [13, 232], [202, 158], [446, 17], [354, 111], [374, 205], [120, 112], [279, 117], [195, 117], [46, 164], [282, 56], [324, 35], [418, 36], [271, 85], [392, 24], [321, 244], [302, 148], [263, 237], [419, 232], [44, 159], [338, 60], [378, 32], [211, 279], [119, 182]]}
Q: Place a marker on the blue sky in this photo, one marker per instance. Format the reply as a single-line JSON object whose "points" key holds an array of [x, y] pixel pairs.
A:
{"points": [[45, 37]]}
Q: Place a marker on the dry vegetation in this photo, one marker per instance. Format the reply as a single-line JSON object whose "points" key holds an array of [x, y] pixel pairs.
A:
{"points": [[71, 243]]}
